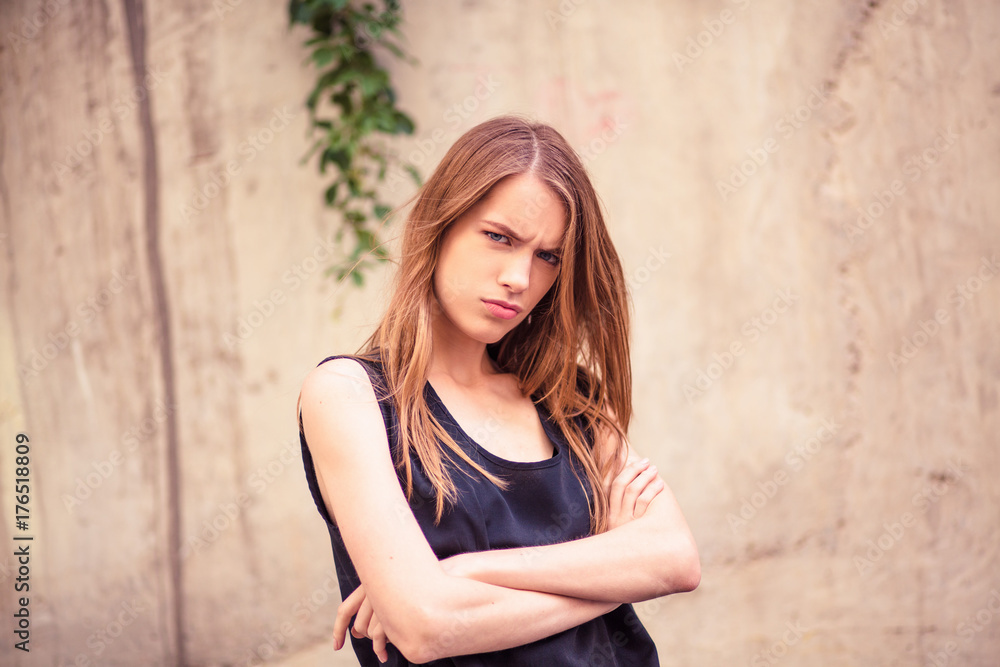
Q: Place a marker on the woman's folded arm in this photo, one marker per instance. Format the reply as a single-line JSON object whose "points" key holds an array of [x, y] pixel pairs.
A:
{"points": [[640, 558], [417, 602]]}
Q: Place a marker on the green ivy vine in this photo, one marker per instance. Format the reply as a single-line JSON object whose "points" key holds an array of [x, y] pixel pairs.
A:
{"points": [[361, 110]]}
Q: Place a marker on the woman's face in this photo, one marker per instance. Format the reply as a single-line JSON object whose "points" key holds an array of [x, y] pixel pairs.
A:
{"points": [[504, 249]]}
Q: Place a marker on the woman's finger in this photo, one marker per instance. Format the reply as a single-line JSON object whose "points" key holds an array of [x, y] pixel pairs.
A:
{"points": [[636, 488], [363, 619], [379, 640], [651, 491], [345, 611], [619, 510]]}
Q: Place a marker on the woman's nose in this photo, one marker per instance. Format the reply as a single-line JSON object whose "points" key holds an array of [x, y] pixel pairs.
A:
{"points": [[516, 272]]}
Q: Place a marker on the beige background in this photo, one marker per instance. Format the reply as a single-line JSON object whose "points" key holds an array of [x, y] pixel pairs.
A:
{"points": [[844, 498]]}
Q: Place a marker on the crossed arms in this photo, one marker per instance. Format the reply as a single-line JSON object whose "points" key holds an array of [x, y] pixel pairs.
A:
{"points": [[482, 601]]}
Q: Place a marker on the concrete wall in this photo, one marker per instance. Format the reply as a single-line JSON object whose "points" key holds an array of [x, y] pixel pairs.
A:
{"points": [[803, 195]]}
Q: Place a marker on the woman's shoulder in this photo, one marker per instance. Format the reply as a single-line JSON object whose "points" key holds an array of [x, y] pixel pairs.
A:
{"points": [[342, 377], [338, 399], [357, 360]]}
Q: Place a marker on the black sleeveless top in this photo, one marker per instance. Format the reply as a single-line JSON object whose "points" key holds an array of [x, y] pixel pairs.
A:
{"points": [[544, 503]]}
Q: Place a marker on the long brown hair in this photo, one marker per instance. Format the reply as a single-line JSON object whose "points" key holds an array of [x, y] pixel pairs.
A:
{"points": [[573, 357]]}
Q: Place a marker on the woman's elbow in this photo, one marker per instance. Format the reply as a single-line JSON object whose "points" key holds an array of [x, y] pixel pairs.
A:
{"points": [[412, 640], [416, 651], [424, 636], [689, 575], [684, 572], [424, 651], [426, 645]]}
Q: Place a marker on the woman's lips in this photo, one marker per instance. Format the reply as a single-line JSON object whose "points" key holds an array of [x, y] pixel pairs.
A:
{"points": [[500, 311]]}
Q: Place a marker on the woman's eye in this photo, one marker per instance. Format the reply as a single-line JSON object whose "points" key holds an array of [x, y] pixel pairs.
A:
{"points": [[496, 237], [549, 257]]}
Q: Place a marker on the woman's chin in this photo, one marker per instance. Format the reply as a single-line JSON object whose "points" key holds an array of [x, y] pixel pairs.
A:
{"points": [[487, 330], [494, 334]]}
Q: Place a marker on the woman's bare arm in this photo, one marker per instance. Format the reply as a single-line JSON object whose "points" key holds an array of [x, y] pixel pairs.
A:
{"points": [[416, 601], [650, 556]]}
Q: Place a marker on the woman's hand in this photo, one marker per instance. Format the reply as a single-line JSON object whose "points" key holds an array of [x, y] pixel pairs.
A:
{"points": [[365, 625], [631, 491]]}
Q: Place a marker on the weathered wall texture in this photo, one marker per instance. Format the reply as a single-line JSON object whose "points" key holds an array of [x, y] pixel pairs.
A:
{"points": [[805, 199]]}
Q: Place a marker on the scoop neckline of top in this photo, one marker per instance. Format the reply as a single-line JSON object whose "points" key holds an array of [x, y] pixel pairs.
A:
{"points": [[507, 463]]}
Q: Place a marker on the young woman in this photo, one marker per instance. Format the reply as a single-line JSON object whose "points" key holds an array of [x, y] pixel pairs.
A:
{"points": [[471, 462]]}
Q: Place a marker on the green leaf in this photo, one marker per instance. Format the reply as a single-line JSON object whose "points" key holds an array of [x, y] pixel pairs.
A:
{"points": [[323, 56], [393, 48], [353, 186], [414, 174], [344, 101], [299, 12], [404, 124], [352, 108], [312, 151], [331, 193], [372, 82], [339, 157], [366, 240]]}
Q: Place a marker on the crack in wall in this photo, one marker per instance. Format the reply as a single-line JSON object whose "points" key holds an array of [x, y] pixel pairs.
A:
{"points": [[135, 14], [855, 40]]}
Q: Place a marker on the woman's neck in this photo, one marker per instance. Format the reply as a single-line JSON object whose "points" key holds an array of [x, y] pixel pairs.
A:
{"points": [[463, 361]]}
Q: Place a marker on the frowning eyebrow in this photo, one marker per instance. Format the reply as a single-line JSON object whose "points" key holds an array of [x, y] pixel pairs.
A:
{"points": [[507, 231]]}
